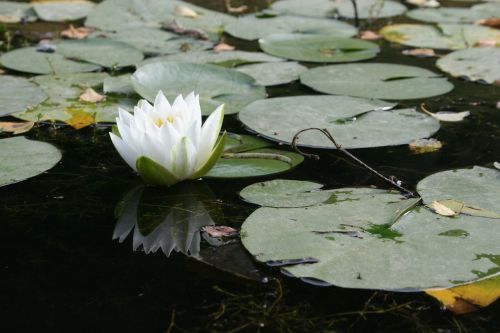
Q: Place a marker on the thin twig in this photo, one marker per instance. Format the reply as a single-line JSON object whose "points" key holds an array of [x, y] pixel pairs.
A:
{"points": [[172, 322], [356, 15], [394, 182]]}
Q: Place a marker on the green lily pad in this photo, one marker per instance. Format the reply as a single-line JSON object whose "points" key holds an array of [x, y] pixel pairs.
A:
{"points": [[58, 11], [367, 242], [252, 27], [479, 187], [476, 64], [237, 143], [216, 85], [63, 104], [442, 36], [254, 163], [156, 41], [273, 73], [376, 80], [29, 60], [102, 52], [121, 84], [18, 94], [318, 48], [328, 8], [456, 15], [15, 12], [21, 159], [285, 193], [225, 59], [353, 122]]}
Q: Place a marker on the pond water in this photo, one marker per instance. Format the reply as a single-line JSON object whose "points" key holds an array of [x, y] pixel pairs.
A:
{"points": [[62, 271]]}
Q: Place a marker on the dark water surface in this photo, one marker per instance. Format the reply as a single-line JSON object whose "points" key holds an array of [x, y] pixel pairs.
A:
{"points": [[62, 272]]}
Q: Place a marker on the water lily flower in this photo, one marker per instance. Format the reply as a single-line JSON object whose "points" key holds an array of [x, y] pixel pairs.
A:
{"points": [[167, 143]]}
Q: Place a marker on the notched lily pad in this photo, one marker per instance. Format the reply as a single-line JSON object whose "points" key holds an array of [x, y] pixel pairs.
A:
{"points": [[273, 73], [21, 159]]}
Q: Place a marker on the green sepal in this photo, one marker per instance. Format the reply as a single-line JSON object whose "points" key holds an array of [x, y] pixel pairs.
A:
{"points": [[216, 152], [116, 131], [154, 173]]}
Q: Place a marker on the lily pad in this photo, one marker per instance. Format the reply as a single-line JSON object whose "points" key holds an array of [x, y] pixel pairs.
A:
{"points": [[285, 193], [156, 41], [318, 48], [18, 94], [358, 243], [62, 10], [252, 27], [225, 59], [30, 60], [237, 143], [102, 52], [216, 85], [442, 36], [353, 122], [254, 163], [21, 159], [328, 8], [376, 80], [477, 187], [15, 12], [121, 84], [476, 64], [456, 15], [273, 73]]}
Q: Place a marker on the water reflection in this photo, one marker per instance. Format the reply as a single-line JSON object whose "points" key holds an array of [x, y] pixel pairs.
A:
{"points": [[167, 219]]}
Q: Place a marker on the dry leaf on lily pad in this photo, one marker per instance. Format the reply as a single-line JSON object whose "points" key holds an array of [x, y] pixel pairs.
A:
{"points": [[217, 231], [186, 12], [79, 118], [441, 209], [76, 33], [486, 43], [424, 3], [223, 46], [421, 146], [468, 298], [420, 52], [369, 35], [458, 207], [445, 115], [91, 96], [16, 127], [493, 22]]}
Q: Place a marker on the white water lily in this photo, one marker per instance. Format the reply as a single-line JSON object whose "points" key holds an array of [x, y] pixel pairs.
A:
{"points": [[167, 143]]}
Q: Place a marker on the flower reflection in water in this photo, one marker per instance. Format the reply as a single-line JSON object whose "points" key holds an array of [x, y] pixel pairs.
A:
{"points": [[169, 219]]}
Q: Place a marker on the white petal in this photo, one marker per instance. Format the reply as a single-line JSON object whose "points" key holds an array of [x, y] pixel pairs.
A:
{"points": [[209, 134], [162, 104], [125, 116], [126, 152], [144, 105], [183, 158]]}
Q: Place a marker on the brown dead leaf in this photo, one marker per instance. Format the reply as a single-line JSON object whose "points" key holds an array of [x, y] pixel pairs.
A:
{"points": [[420, 52], [234, 10], [185, 12], [424, 3], [10, 18], [16, 128], [460, 207], [76, 33], [421, 146], [445, 116], [486, 43], [79, 118], [217, 231], [369, 35], [493, 22], [223, 46], [441, 209], [91, 96]]}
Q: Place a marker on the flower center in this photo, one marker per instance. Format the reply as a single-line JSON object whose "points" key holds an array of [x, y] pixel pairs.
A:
{"points": [[159, 121]]}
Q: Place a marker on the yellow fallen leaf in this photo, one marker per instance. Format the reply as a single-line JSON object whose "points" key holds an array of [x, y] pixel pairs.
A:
{"points": [[420, 52], [16, 128], [91, 96], [79, 118], [445, 115], [468, 298], [421, 146], [460, 207], [76, 33], [185, 11], [441, 209]]}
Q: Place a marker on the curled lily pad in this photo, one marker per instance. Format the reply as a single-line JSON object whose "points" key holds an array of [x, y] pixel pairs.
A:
{"points": [[385, 81], [318, 48], [102, 52], [18, 94], [225, 59], [354, 122], [21, 159], [30, 60], [456, 15], [62, 10], [252, 27], [442, 36], [476, 64], [273, 73], [216, 85], [367, 242], [476, 190]]}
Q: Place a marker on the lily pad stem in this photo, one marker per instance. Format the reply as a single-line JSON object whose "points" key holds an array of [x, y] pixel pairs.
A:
{"points": [[264, 156], [356, 15], [391, 180]]}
